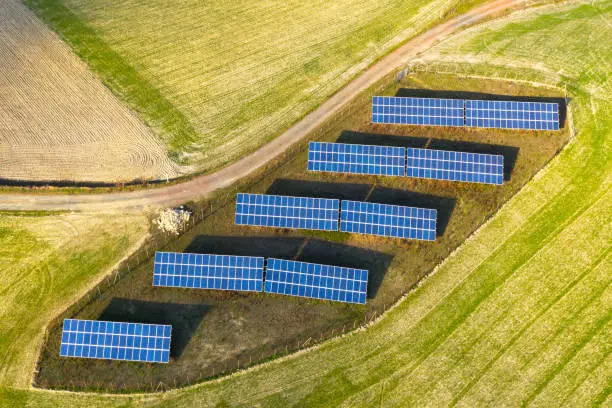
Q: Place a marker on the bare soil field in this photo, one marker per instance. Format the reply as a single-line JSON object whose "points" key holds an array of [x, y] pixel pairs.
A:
{"points": [[57, 121], [217, 332]]}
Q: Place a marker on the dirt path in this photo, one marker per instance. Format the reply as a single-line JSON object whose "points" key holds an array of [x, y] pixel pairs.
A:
{"points": [[201, 186]]}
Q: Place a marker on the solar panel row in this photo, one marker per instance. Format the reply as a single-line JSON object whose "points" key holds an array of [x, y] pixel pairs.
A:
{"points": [[207, 271], [455, 166], [375, 219], [116, 340], [460, 112], [388, 220], [420, 163], [357, 159], [316, 281], [287, 212], [226, 265], [417, 111], [512, 115]]}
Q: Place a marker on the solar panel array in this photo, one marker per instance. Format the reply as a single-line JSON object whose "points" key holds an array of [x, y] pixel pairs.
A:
{"points": [[116, 341], [287, 212], [388, 220], [207, 271], [512, 115], [357, 159], [316, 281], [455, 166], [465, 112], [417, 111]]}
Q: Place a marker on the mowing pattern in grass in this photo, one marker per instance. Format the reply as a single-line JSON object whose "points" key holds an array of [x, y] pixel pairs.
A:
{"points": [[217, 330], [45, 260], [518, 315], [217, 79]]}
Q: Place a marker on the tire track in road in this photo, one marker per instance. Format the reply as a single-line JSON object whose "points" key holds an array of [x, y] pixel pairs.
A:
{"points": [[203, 186]]}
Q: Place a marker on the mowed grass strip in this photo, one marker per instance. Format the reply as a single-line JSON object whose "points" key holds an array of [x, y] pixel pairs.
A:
{"points": [[219, 79], [45, 261]]}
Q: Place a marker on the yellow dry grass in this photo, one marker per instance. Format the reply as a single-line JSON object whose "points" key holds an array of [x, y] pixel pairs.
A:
{"points": [[57, 121]]}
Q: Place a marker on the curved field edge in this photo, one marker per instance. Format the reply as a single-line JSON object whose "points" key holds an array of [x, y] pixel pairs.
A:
{"points": [[507, 288], [177, 123], [225, 340], [45, 260]]}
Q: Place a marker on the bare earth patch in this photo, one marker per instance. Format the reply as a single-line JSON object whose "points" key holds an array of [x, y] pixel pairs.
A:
{"points": [[57, 121]]}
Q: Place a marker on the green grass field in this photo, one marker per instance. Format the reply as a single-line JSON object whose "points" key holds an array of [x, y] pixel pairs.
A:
{"points": [[45, 261], [216, 80], [520, 314]]}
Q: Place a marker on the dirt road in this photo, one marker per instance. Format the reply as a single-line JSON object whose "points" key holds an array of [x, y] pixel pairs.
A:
{"points": [[202, 186]]}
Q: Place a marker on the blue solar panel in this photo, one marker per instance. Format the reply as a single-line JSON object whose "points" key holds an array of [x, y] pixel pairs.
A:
{"points": [[512, 115], [116, 341], [316, 281], [287, 212], [357, 159], [388, 220], [206, 271], [418, 111], [455, 166]]}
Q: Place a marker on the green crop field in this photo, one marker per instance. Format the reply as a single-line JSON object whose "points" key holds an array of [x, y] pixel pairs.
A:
{"points": [[520, 314], [217, 79]]}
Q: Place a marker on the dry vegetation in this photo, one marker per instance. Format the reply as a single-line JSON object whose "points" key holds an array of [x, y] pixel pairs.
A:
{"points": [[57, 121]]}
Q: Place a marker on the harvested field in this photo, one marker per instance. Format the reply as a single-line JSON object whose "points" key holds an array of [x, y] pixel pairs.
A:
{"points": [[57, 121], [244, 71], [218, 331]]}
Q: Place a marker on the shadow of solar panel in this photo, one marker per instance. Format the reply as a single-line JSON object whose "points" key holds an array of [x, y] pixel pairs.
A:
{"points": [[417, 111], [388, 220], [356, 159], [316, 281], [455, 166], [512, 115], [207, 271], [287, 212], [116, 341]]}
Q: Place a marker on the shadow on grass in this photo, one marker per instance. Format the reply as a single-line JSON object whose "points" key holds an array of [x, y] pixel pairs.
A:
{"points": [[431, 93], [300, 249], [305, 188], [352, 137], [184, 318]]}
